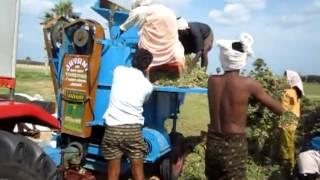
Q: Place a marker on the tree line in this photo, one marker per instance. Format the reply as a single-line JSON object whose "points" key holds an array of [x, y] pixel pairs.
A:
{"points": [[311, 78]]}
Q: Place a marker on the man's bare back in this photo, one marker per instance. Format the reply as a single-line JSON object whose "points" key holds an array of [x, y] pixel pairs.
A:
{"points": [[228, 97]]}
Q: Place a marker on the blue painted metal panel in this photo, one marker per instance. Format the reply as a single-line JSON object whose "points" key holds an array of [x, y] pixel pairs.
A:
{"points": [[94, 149], [164, 102], [158, 144], [54, 154], [102, 102], [181, 89], [114, 55]]}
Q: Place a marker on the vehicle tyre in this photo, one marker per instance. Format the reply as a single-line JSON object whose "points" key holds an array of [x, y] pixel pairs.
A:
{"points": [[22, 159], [172, 165]]}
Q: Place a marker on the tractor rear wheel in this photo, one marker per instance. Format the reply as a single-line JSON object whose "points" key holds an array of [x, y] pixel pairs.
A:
{"points": [[22, 159]]}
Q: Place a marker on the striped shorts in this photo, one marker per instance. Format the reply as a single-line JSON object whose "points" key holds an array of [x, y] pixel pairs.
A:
{"points": [[123, 140]]}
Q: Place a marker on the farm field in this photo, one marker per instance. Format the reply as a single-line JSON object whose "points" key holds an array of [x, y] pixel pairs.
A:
{"points": [[193, 117], [312, 90], [33, 79]]}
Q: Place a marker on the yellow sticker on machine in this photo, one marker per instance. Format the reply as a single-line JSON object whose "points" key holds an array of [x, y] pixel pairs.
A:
{"points": [[74, 95]]}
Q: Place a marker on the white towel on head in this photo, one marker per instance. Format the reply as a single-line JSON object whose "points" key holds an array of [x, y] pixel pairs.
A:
{"points": [[182, 24], [247, 41], [294, 80], [232, 59], [137, 3]]}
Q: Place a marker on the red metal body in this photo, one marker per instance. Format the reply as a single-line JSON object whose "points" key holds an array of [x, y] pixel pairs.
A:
{"points": [[7, 82], [14, 112]]}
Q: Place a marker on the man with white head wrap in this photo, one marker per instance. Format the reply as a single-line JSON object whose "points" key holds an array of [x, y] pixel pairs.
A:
{"points": [[228, 96], [291, 101], [158, 34], [234, 53]]}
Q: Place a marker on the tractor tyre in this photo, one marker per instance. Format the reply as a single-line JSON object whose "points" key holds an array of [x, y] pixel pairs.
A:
{"points": [[172, 166], [22, 159]]}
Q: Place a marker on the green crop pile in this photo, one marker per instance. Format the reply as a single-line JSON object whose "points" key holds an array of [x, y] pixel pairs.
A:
{"points": [[261, 121], [194, 164], [194, 167], [193, 76]]}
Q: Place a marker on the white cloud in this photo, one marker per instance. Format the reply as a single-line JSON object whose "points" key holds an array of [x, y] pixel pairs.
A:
{"points": [[293, 20], [232, 14], [237, 11], [36, 7], [252, 4], [308, 14], [313, 8], [88, 4], [176, 5], [123, 3]]}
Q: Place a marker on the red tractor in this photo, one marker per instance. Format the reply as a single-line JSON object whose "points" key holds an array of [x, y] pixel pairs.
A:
{"points": [[20, 157]]}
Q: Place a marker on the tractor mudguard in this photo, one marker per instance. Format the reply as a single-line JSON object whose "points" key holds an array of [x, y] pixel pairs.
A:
{"points": [[29, 113]]}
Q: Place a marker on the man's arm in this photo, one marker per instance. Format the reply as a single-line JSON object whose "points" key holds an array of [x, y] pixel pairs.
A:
{"points": [[204, 58], [259, 93], [131, 21], [198, 40]]}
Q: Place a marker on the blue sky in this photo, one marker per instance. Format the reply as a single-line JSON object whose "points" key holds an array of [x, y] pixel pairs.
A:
{"points": [[286, 32]]}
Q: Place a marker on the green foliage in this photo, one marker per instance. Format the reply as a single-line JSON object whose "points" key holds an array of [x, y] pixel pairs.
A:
{"points": [[25, 74], [312, 90], [61, 8], [195, 164], [28, 58], [193, 76], [256, 171], [260, 120], [34, 80]]}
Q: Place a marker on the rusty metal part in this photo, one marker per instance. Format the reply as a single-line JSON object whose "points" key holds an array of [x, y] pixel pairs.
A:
{"points": [[113, 6], [81, 37], [73, 155], [47, 28], [82, 174], [27, 131], [56, 35]]}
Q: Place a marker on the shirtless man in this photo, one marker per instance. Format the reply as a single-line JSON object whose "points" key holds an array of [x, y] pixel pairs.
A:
{"points": [[228, 96]]}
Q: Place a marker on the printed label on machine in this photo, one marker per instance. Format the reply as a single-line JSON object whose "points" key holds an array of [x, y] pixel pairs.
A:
{"points": [[74, 92], [76, 71], [73, 110]]}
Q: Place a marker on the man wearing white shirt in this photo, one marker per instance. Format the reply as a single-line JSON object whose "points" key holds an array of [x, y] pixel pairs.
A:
{"points": [[124, 119]]}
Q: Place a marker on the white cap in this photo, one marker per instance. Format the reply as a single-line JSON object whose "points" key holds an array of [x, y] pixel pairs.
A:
{"points": [[137, 3], [294, 80], [247, 41], [182, 24]]}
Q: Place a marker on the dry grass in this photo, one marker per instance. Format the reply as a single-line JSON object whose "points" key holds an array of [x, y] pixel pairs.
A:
{"points": [[32, 79]]}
